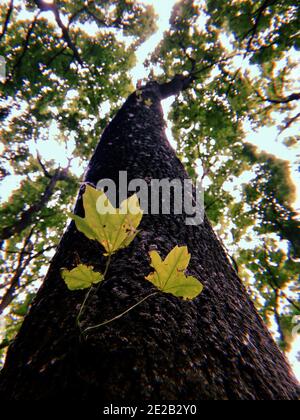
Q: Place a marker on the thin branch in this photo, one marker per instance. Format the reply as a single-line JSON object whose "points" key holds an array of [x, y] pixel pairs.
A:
{"points": [[22, 265], [231, 81], [290, 122], [27, 216], [189, 57], [259, 14], [273, 280], [46, 173], [25, 45], [213, 202], [49, 248], [117, 23], [288, 99], [52, 59], [290, 301], [46, 7], [7, 19]]}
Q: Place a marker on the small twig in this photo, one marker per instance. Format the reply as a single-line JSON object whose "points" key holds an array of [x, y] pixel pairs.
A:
{"points": [[10, 293], [26, 217], [45, 7], [52, 59], [46, 173], [289, 123], [253, 31], [288, 99], [25, 45], [121, 315], [94, 290]]}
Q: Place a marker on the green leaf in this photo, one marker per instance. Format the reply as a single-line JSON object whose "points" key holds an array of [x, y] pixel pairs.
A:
{"points": [[148, 102], [169, 275], [81, 277], [114, 229]]}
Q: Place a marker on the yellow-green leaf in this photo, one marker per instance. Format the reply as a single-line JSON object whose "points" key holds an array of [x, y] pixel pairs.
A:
{"points": [[114, 229], [81, 277], [148, 102], [169, 275]]}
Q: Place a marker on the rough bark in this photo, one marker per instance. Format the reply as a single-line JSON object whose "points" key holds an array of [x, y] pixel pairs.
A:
{"points": [[214, 348]]}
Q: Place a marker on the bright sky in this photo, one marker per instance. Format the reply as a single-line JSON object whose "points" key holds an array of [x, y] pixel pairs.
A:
{"points": [[265, 138]]}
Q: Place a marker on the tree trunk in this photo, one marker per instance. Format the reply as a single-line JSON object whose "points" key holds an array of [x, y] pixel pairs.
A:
{"points": [[215, 347]]}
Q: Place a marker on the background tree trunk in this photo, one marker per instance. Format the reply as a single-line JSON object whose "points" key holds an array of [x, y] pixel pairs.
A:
{"points": [[215, 347]]}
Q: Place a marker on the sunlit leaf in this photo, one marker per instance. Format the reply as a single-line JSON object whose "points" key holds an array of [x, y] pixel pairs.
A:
{"points": [[169, 275], [81, 277], [114, 229]]}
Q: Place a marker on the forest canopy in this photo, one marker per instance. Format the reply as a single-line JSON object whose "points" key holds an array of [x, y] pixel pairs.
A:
{"points": [[68, 70]]}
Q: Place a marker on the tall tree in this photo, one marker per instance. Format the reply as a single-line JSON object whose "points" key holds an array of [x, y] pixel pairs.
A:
{"points": [[61, 58], [215, 347], [246, 58]]}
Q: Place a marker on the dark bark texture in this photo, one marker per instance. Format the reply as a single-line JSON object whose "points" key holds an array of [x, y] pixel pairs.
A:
{"points": [[213, 348]]}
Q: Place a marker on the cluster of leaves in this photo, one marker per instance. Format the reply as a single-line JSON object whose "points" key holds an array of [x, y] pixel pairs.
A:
{"points": [[67, 66], [243, 55], [115, 229]]}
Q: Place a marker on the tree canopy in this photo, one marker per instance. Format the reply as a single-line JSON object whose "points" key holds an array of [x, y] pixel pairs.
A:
{"points": [[244, 58], [68, 71]]}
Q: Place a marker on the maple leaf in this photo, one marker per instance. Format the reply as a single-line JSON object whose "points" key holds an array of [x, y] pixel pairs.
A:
{"points": [[114, 229], [81, 277], [169, 275]]}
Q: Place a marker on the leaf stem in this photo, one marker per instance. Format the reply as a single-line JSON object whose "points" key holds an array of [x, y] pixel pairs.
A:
{"points": [[92, 289], [121, 315], [82, 307]]}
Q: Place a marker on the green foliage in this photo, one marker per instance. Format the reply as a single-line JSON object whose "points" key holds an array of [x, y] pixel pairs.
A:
{"points": [[113, 228], [245, 57], [245, 53], [81, 277], [50, 102], [169, 275]]}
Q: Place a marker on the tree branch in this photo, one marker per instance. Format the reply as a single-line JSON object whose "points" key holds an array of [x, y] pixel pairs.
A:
{"points": [[117, 23], [7, 19], [27, 216], [288, 99], [259, 12], [290, 122], [38, 254], [10, 293], [52, 59], [25, 45], [46, 7], [180, 83], [46, 173], [273, 280]]}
